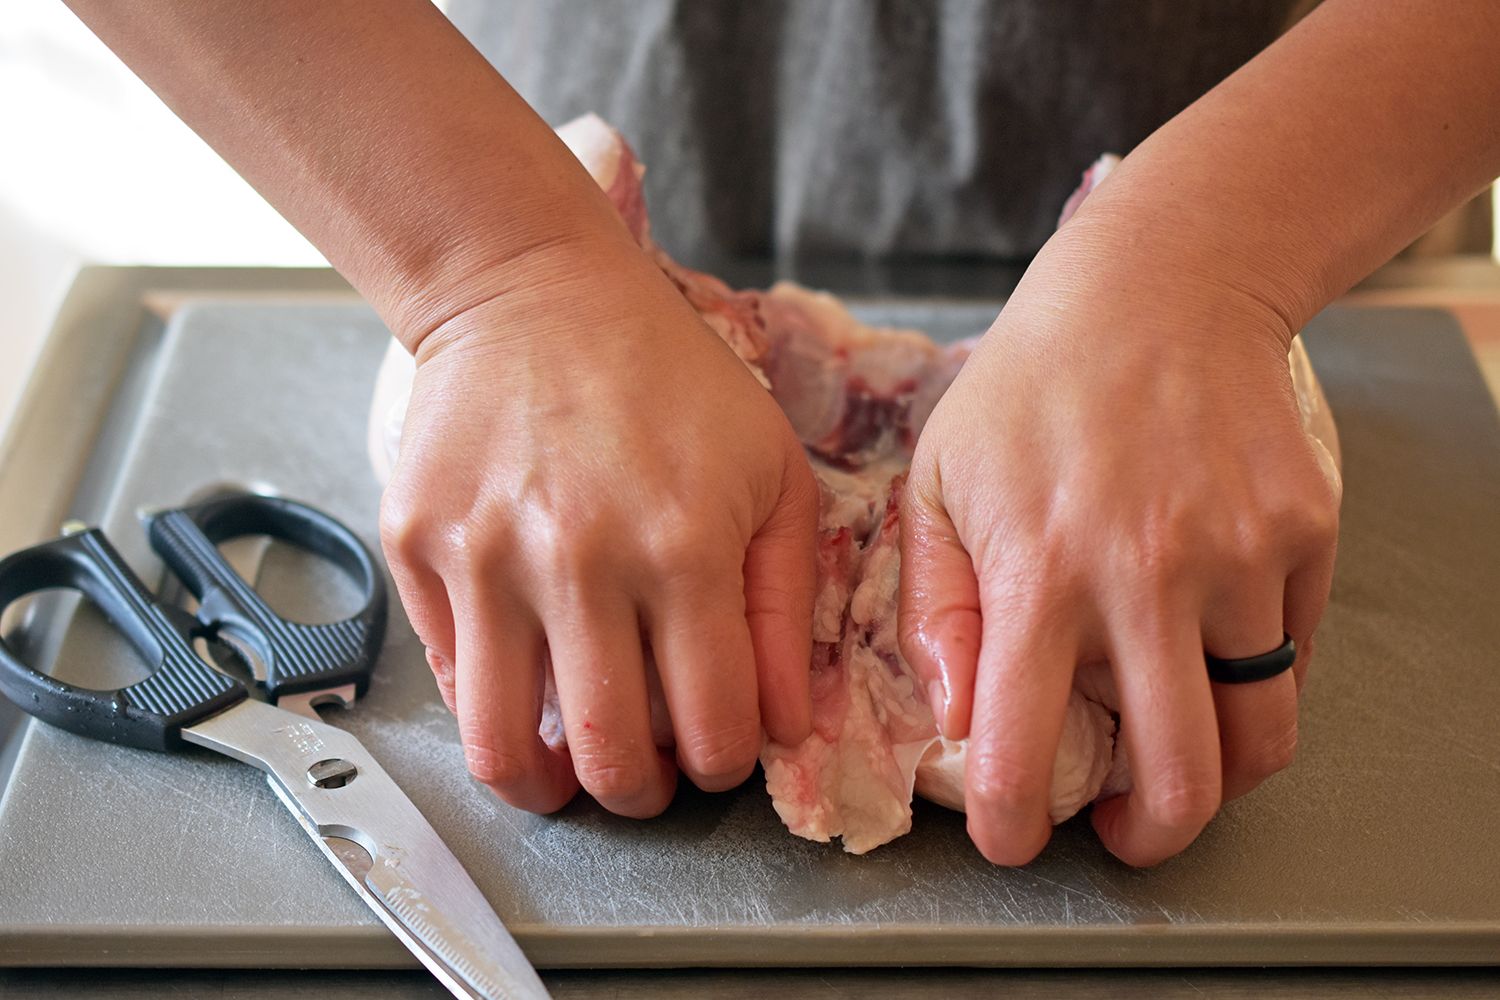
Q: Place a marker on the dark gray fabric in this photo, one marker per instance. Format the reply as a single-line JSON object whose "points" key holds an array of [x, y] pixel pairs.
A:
{"points": [[951, 128]]}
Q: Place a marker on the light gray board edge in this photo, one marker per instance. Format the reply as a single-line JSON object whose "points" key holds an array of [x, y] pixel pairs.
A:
{"points": [[784, 984], [850, 946]]}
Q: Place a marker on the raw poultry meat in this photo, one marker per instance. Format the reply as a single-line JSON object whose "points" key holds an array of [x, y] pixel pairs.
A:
{"points": [[857, 397]]}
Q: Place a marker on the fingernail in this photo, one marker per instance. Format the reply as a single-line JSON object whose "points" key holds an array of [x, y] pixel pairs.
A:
{"points": [[939, 701]]}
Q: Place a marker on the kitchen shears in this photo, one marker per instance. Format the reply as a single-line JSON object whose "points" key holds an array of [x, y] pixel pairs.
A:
{"points": [[355, 813]]}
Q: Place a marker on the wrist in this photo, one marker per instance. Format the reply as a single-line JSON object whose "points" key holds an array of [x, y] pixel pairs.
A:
{"points": [[1182, 268], [561, 302], [517, 255]]}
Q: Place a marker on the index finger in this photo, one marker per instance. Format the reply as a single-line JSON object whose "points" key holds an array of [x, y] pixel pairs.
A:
{"points": [[779, 581], [1025, 672]]}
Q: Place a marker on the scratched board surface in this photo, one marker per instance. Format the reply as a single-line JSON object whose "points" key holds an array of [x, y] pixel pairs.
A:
{"points": [[1377, 846]]}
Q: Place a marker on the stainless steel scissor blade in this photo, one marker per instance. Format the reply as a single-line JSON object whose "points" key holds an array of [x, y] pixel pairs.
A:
{"points": [[381, 844]]}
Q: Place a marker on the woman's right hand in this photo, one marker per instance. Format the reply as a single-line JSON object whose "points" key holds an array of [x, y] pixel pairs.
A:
{"points": [[587, 472]]}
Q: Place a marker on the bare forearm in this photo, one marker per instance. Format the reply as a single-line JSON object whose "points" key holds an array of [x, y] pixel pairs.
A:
{"points": [[1321, 157], [376, 129]]}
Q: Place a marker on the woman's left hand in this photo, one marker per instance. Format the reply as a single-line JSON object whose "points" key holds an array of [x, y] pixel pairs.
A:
{"points": [[1119, 475]]}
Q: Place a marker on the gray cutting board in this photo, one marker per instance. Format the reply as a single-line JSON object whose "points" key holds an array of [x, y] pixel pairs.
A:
{"points": [[1376, 847]]}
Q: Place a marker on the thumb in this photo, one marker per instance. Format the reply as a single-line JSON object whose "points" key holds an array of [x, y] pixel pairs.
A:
{"points": [[938, 621], [779, 591]]}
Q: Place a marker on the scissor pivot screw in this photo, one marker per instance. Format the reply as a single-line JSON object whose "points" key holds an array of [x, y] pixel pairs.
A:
{"points": [[332, 773]]}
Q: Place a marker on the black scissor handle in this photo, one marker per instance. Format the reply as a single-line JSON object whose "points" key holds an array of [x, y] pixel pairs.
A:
{"points": [[296, 657], [181, 688]]}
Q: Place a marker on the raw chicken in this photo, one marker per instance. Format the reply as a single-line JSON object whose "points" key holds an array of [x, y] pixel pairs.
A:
{"points": [[857, 397]]}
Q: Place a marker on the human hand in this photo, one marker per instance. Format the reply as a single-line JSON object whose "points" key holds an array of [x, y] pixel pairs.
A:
{"points": [[1119, 477], [586, 470]]}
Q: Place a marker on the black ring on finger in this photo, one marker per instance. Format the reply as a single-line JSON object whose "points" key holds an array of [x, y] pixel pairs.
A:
{"points": [[1250, 669]]}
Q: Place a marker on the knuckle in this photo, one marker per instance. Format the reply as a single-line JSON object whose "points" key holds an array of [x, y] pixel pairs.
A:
{"points": [[802, 491], [1257, 545], [611, 776], [1308, 520], [681, 549], [441, 666], [1163, 557], [493, 544], [576, 553], [1184, 801], [402, 526], [912, 630], [1320, 522], [479, 562], [1035, 573], [468, 544], [727, 750], [773, 600], [998, 783], [1270, 756], [495, 767], [1161, 551]]}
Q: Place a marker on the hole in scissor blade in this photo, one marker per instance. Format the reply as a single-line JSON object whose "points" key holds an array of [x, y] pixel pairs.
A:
{"points": [[308, 702], [335, 772]]}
